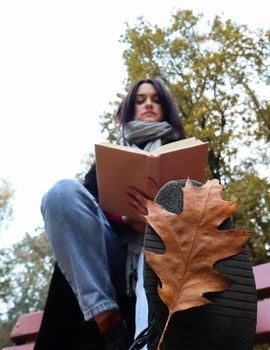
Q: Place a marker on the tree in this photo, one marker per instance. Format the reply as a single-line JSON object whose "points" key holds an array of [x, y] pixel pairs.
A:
{"points": [[6, 195], [26, 269], [214, 71], [86, 162]]}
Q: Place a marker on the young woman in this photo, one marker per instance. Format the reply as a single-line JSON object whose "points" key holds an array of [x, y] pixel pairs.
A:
{"points": [[97, 253]]}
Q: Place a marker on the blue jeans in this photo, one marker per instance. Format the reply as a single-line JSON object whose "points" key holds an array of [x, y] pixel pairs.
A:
{"points": [[88, 251]]}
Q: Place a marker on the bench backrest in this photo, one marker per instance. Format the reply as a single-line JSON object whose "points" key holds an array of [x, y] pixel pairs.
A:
{"points": [[262, 280]]}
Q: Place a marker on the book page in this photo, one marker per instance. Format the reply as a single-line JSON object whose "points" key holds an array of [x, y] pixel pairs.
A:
{"points": [[184, 164], [123, 148], [181, 144], [117, 170]]}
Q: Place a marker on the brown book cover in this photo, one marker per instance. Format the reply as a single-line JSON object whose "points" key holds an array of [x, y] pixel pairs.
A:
{"points": [[119, 167]]}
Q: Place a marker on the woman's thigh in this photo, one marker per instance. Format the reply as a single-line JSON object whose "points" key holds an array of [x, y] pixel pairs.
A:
{"points": [[117, 255]]}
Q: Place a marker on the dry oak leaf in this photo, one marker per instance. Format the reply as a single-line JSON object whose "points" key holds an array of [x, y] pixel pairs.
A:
{"points": [[192, 246]]}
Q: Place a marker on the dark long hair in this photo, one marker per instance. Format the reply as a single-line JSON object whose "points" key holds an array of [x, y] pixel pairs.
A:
{"points": [[126, 109]]}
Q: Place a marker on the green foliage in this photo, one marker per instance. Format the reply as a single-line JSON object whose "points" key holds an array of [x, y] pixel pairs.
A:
{"points": [[253, 195], [109, 126], [87, 161], [108, 122], [25, 271], [6, 194], [214, 71]]}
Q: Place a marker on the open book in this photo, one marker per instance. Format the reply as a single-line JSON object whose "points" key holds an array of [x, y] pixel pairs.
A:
{"points": [[119, 167]]}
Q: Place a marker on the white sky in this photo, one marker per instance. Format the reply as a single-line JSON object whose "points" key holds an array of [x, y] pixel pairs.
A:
{"points": [[60, 66]]}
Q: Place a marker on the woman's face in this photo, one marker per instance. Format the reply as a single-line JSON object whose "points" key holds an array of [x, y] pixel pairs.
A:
{"points": [[147, 106]]}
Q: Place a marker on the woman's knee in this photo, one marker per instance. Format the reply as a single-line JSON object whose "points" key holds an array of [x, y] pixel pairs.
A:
{"points": [[60, 196]]}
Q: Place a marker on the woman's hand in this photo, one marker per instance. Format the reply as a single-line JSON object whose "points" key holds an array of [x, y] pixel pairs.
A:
{"points": [[137, 201]]}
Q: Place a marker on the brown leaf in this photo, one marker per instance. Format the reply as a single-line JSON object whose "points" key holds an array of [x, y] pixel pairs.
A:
{"points": [[192, 246]]}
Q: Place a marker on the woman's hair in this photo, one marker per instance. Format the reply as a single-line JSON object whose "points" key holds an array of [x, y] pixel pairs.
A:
{"points": [[126, 110]]}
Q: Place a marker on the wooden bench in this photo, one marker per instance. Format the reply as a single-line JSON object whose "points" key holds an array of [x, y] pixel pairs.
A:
{"points": [[26, 328], [25, 331], [262, 279]]}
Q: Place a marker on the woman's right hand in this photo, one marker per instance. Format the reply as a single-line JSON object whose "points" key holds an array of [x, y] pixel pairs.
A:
{"points": [[137, 201]]}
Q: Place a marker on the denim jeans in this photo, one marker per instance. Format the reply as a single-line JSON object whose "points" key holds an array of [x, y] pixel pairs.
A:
{"points": [[88, 251]]}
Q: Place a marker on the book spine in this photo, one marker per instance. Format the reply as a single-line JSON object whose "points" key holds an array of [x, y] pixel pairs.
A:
{"points": [[153, 168]]}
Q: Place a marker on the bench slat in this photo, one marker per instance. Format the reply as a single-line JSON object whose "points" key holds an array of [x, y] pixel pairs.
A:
{"points": [[26, 328], [263, 322], [262, 280]]}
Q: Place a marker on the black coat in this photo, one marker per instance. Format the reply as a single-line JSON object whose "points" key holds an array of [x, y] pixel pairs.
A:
{"points": [[90, 181]]}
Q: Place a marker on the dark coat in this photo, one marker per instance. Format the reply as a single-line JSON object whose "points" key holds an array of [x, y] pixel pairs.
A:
{"points": [[90, 181]]}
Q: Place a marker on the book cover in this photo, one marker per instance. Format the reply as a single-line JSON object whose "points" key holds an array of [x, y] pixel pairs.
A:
{"points": [[119, 167]]}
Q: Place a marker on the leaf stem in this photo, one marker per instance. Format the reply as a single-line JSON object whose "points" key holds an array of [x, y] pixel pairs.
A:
{"points": [[164, 330]]}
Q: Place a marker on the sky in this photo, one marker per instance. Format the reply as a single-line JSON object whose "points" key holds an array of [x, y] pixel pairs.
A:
{"points": [[60, 67]]}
